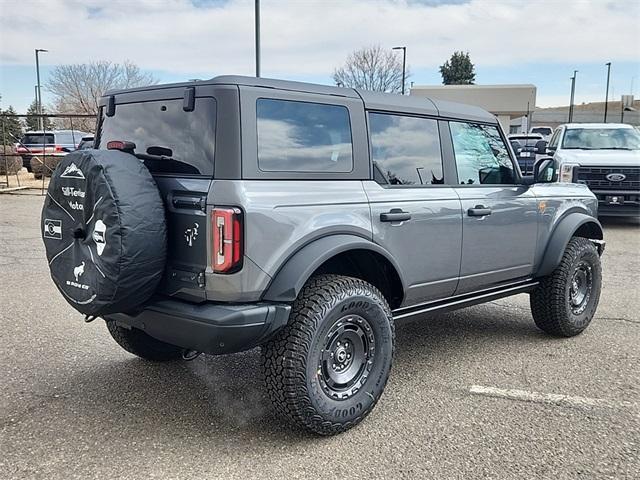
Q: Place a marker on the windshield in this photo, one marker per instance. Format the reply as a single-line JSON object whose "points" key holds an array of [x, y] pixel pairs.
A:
{"points": [[601, 139], [37, 139], [168, 139]]}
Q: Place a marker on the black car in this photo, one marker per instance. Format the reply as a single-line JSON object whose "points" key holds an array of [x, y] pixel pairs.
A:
{"points": [[527, 147]]}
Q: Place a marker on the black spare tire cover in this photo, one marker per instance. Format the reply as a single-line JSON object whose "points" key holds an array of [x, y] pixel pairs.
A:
{"points": [[104, 231]]}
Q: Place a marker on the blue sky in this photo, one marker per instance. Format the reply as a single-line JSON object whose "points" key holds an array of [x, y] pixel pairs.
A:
{"points": [[305, 40]]}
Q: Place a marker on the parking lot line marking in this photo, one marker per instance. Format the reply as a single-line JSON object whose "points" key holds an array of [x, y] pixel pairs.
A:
{"points": [[548, 398]]}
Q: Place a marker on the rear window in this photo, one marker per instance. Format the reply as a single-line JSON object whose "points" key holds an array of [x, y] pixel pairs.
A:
{"points": [[37, 139], [303, 137], [541, 130], [168, 139]]}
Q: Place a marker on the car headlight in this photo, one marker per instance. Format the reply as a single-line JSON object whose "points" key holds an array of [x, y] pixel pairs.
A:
{"points": [[566, 172]]}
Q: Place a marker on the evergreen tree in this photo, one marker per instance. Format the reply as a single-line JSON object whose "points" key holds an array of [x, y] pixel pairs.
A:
{"points": [[32, 122], [10, 127], [458, 70]]}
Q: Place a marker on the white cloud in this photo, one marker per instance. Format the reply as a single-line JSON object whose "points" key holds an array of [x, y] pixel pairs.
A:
{"points": [[310, 38]]}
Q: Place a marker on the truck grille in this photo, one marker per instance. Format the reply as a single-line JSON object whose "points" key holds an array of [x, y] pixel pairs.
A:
{"points": [[596, 178]]}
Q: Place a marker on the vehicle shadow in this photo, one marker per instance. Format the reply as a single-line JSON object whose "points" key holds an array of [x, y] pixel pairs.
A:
{"points": [[218, 398]]}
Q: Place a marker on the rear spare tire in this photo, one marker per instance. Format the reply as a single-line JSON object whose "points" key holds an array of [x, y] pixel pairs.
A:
{"points": [[104, 231]]}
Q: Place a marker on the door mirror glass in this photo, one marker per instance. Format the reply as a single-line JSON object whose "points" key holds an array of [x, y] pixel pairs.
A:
{"points": [[544, 171]]}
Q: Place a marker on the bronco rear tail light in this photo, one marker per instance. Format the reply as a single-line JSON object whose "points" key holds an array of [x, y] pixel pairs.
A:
{"points": [[226, 224], [58, 148]]}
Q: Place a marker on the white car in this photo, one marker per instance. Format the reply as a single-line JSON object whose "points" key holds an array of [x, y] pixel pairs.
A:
{"points": [[606, 158], [543, 130]]}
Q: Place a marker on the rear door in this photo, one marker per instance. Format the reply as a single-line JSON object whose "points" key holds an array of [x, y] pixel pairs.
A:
{"points": [[500, 215], [177, 145], [415, 215]]}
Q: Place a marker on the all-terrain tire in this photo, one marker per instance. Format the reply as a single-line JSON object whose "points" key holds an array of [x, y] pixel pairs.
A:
{"points": [[553, 303], [137, 342], [297, 367]]}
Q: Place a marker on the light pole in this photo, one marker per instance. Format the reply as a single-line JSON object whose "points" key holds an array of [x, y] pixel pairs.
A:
{"points": [[573, 90], [404, 64], [39, 102], [606, 97], [257, 18]]}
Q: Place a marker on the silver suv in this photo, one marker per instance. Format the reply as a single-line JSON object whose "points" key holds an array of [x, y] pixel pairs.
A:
{"points": [[221, 215]]}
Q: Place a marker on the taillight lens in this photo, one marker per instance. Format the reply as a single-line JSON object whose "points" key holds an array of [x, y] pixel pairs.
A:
{"points": [[58, 148], [227, 240]]}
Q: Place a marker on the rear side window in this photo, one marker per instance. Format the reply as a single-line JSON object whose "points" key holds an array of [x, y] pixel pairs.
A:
{"points": [[303, 137], [481, 155], [405, 150], [37, 139], [168, 139]]}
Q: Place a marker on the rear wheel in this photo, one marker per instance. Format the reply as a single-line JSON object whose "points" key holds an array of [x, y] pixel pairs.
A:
{"points": [[565, 301], [327, 368], [137, 342]]}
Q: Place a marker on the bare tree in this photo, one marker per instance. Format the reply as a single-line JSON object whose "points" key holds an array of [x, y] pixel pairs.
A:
{"points": [[371, 68], [77, 88]]}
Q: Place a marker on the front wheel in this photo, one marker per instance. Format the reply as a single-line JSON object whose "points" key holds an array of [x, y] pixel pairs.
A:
{"points": [[565, 301], [327, 368]]}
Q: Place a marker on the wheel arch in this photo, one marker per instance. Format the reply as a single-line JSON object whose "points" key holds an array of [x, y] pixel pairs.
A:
{"points": [[340, 254], [573, 225]]}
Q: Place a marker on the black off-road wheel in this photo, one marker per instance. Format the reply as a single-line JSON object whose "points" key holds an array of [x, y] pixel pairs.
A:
{"points": [[326, 370], [565, 301], [137, 342]]}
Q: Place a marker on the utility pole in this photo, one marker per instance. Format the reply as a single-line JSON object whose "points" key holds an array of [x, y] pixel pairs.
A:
{"points": [[257, 33], [573, 91], [404, 64], [39, 106], [606, 96]]}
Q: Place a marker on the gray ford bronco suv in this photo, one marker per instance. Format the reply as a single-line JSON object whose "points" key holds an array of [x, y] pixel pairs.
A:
{"points": [[216, 216]]}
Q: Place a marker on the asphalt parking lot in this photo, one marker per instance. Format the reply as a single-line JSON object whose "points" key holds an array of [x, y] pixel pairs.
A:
{"points": [[74, 405]]}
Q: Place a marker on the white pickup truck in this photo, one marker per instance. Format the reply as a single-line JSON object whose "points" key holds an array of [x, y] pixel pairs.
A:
{"points": [[606, 158]]}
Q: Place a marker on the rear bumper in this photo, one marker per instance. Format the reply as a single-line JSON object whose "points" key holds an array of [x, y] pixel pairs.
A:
{"points": [[212, 328]]}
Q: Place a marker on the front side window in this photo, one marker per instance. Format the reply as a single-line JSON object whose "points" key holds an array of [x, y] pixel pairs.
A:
{"points": [[481, 155], [405, 150], [303, 137], [553, 143]]}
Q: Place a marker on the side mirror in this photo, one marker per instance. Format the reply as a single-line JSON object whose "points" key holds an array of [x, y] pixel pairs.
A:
{"points": [[541, 147], [544, 171], [550, 150]]}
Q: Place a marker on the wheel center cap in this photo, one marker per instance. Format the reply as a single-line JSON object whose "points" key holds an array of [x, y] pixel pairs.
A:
{"points": [[341, 354]]}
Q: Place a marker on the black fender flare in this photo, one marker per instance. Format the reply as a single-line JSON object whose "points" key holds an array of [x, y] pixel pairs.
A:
{"points": [[566, 228], [291, 277]]}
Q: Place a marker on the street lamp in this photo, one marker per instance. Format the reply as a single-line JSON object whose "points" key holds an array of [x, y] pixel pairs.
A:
{"points": [[257, 33], [573, 90], [39, 102], [606, 97], [404, 64]]}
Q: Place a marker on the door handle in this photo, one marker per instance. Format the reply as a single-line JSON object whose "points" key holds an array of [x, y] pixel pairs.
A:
{"points": [[395, 215], [479, 211]]}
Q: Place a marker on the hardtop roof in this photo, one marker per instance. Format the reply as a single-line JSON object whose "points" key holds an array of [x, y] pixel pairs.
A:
{"points": [[372, 100]]}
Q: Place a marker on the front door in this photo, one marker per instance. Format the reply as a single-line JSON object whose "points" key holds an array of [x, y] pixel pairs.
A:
{"points": [[500, 215], [415, 216]]}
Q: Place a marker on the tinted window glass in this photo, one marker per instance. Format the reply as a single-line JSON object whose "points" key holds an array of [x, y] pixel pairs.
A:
{"points": [[303, 137], [37, 138], [168, 139], [481, 155], [405, 150]]}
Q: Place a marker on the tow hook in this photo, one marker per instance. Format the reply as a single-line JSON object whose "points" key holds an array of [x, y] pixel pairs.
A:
{"points": [[189, 355]]}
